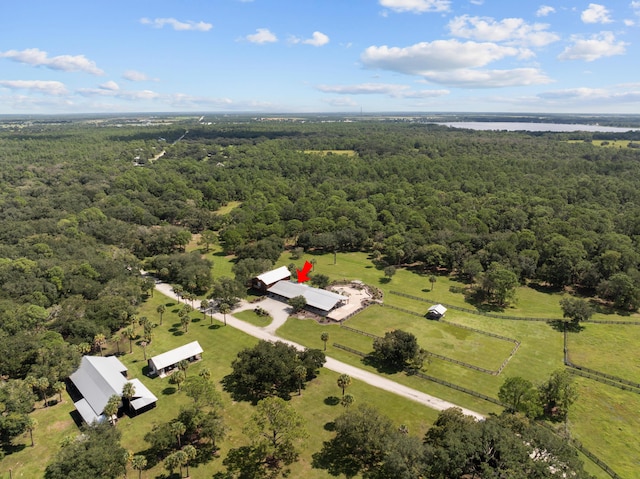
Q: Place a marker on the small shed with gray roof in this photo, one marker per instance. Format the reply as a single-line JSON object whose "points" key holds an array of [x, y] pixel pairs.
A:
{"points": [[164, 363]]}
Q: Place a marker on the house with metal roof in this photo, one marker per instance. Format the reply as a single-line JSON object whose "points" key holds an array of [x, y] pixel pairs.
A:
{"points": [[320, 301], [97, 379], [166, 362], [264, 281]]}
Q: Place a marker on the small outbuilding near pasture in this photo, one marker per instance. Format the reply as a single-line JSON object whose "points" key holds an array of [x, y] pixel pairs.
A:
{"points": [[436, 311], [164, 363]]}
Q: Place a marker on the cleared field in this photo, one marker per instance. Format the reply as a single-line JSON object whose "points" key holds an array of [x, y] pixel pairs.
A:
{"points": [[436, 337], [607, 348]]}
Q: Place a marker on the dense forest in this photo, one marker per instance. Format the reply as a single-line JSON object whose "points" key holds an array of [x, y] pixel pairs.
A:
{"points": [[84, 206]]}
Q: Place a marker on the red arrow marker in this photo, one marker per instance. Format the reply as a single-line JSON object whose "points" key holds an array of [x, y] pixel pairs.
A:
{"points": [[303, 275]]}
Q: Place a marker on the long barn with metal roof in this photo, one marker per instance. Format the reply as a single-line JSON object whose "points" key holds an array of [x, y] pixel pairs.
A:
{"points": [[319, 299]]}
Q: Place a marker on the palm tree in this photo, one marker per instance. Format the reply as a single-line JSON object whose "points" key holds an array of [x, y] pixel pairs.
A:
{"points": [[300, 373], [42, 384], [205, 373], [143, 345], [172, 461], [139, 463], [127, 455], [99, 340], [225, 309], [183, 365], [178, 429], [190, 452], [204, 305], [128, 392], [325, 337], [347, 400], [432, 280], [111, 409], [130, 334], [83, 348], [178, 290], [58, 387], [185, 320], [115, 338], [178, 378], [161, 309], [30, 425], [344, 381]]}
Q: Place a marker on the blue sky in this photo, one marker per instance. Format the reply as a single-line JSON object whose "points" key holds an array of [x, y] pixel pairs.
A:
{"points": [[308, 56]]}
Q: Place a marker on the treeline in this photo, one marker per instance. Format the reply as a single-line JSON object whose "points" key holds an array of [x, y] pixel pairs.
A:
{"points": [[82, 208]]}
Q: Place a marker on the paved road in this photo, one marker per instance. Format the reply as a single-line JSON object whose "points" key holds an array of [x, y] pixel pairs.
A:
{"points": [[279, 313]]}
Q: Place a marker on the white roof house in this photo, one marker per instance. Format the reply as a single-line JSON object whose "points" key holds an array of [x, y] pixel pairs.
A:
{"points": [[97, 379], [161, 363], [268, 279], [320, 299], [436, 311]]}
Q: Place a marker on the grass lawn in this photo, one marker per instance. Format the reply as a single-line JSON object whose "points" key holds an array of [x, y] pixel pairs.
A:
{"points": [[251, 316], [610, 348], [220, 344]]}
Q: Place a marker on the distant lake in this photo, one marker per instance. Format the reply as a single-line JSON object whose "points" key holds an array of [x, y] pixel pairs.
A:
{"points": [[522, 126]]}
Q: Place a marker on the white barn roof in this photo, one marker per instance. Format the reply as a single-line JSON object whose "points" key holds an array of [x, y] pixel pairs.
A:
{"points": [[174, 356], [316, 298], [438, 309], [275, 275]]}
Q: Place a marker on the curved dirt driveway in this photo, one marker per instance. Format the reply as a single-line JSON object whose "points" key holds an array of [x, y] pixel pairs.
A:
{"points": [[267, 333]]}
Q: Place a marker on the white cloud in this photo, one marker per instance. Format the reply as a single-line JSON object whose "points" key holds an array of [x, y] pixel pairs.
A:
{"points": [[513, 30], [596, 14], [262, 35], [67, 63], [392, 90], [466, 78], [592, 95], [545, 10], [416, 6], [177, 24], [597, 46], [439, 55], [110, 85], [108, 90], [40, 86], [317, 40], [133, 75]]}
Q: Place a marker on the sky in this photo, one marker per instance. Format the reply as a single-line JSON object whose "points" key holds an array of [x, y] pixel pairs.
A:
{"points": [[312, 56]]}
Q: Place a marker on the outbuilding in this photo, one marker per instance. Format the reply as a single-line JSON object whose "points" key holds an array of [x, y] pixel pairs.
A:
{"points": [[164, 363], [266, 280], [436, 311], [97, 379]]}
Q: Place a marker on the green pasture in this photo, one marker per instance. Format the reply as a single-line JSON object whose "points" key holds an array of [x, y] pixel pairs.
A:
{"points": [[610, 348], [606, 421], [436, 337]]}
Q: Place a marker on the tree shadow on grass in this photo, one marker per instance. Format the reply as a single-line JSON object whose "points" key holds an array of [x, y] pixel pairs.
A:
{"points": [[572, 326], [168, 391], [214, 326], [178, 333], [381, 367], [384, 280], [332, 400]]}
